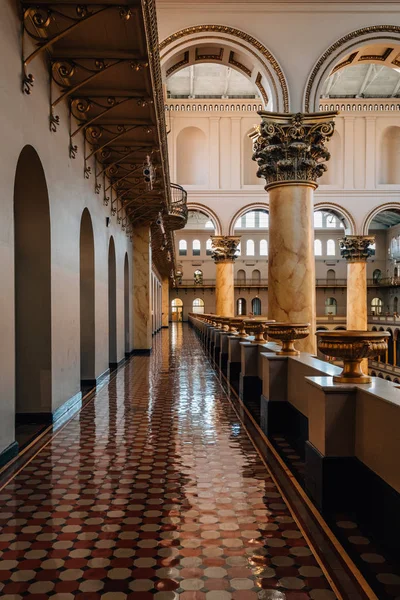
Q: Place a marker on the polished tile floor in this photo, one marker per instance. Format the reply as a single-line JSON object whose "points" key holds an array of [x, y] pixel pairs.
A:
{"points": [[154, 490]]}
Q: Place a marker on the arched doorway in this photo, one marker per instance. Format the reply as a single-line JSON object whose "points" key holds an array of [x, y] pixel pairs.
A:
{"points": [[256, 306], [112, 306], [127, 328], [33, 369], [177, 310], [198, 306], [256, 276], [376, 306], [87, 301]]}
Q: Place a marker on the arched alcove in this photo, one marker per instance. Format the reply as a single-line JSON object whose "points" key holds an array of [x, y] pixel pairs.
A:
{"points": [[334, 174], [241, 307], [241, 276], [112, 305], [249, 166], [256, 276], [191, 157], [127, 328], [33, 377], [87, 299], [389, 168]]}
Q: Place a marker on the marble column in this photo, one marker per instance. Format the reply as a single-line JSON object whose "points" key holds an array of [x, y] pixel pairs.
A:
{"points": [[356, 249], [290, 150], [223, 252], [142, 296], [165, 302]]}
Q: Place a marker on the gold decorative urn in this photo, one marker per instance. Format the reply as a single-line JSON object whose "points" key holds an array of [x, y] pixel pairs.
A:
{"points": [[287, 334], [234, 324], [256, 327], [351, 347]]}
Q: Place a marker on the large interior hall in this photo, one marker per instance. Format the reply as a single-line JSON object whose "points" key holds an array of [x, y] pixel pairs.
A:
{"points": [[200, 302]]}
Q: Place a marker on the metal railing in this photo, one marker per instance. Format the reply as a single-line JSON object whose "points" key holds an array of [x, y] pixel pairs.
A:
{"points": [[389, 281], [177, 211]]}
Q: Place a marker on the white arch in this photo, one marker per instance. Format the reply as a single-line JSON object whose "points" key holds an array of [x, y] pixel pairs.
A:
{"points": [[267, 73], [243, 211], [367, 36], [375, 211], [209, 213], [351, 228]]}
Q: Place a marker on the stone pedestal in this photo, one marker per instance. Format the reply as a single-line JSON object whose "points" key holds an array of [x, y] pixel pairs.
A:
{"points": [[142, 317], [290, 152], [224, 251]]}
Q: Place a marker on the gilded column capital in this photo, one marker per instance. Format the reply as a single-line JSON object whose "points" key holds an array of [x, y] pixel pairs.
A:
{"points": [[291, 148], [224, 248], [357, 248]]}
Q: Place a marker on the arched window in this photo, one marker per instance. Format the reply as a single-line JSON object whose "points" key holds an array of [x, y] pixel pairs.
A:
{"points": [[263, 248], [377, 275], [250, 248], [241, 276], [395, 304], [182, 247], [209, 225], [196, 247], [256, 276], [331, 248], [330, 306], [198, 277], [256, 306], [251, 219], [198, 306], [317, 248], [331, 275], [208, 247], [376, 306], [318, 218], [241, 308], [263, 219]]}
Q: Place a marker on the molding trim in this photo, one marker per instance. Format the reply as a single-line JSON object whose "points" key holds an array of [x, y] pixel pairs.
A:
{"points": [[253, 46]]}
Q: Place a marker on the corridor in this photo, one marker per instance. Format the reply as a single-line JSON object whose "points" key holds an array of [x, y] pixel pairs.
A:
{"points": [[154, 490]]}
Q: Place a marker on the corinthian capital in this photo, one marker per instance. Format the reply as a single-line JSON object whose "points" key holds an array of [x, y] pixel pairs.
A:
{"points": [[292, 147], [224, 248], [357, 248]]}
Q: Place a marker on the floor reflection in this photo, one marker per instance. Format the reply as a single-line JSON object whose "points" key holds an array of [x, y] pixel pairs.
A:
{"points": [[154, 490]]}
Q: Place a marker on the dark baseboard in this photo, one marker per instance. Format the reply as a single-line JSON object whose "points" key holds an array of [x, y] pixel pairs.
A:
{"points": [[232, 374], [329, 480], [114, 366], [141, 352], [48, 418], [280, 417], [8, 453], [250, 387], [223, 362]]}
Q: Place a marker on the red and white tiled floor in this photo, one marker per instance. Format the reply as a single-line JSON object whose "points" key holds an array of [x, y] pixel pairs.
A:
{"points": [[154, 490]]}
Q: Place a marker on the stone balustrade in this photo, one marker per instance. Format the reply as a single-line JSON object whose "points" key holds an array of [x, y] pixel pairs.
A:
{"points": [[346, 434]]}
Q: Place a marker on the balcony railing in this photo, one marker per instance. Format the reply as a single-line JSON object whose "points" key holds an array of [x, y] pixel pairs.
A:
{"points": [[177, 213], [360, 105], [389, 281]]}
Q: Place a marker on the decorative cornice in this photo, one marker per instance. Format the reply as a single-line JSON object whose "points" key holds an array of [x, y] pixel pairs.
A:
{"points": [[394, 29], [224, 248], [223, 29], [357, 248], [291, 148]]}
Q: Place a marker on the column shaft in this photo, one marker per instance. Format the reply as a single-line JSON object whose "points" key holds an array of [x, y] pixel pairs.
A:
{"points": [[225, 289], [165, 302], [291, 262], [142, 301], [357, 296]]}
